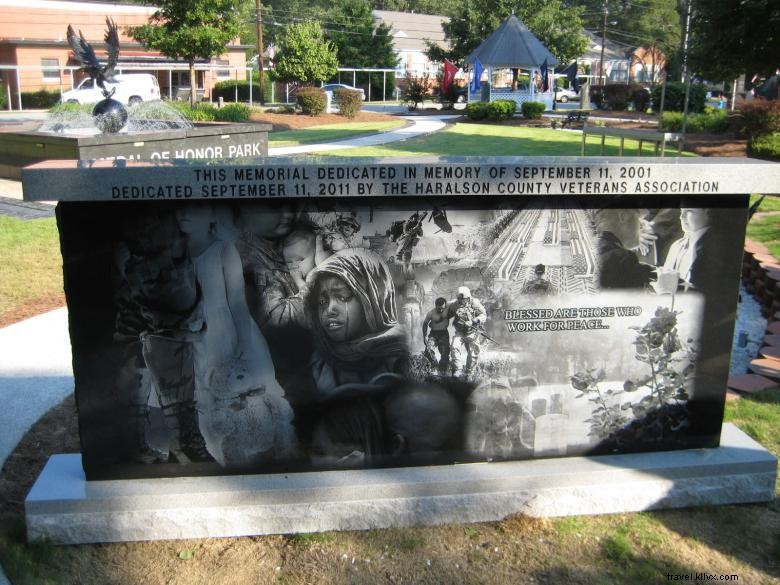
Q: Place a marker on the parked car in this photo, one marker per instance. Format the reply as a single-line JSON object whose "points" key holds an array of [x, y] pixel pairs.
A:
{"points": [[130, 88], [331, 87], [565, 95]]}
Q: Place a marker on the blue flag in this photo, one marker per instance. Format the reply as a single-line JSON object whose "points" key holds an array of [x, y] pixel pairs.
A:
{"points": [[543, 72], [475, 80]]}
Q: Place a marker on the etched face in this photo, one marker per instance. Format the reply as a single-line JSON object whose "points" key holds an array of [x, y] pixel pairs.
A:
{"points": [[340, 312], [267, 222], [693, 219], [194, 219], [299, 255]]}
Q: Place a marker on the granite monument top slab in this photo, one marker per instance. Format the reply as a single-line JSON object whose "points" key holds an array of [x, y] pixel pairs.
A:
{"points": [[263, 178]]}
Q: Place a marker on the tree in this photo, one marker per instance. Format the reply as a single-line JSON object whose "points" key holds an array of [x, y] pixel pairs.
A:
{"points": [[190, 30], [359, 40], [304, 55], [655, 25], [732, 37], [558, 28]]}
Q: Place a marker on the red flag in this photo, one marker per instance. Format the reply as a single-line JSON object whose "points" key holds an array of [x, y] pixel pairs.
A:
{"points": [[450, 69]]}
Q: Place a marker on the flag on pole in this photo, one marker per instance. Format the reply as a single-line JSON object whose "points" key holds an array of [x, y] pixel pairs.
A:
{"points": [[475, 80], [450, 69], [543, 72]]}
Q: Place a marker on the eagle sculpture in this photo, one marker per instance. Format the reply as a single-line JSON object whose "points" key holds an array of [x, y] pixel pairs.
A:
{"points": [[85, 55]]}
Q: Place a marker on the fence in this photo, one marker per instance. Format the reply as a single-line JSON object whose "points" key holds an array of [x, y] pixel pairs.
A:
{"points": [[65, 78]]}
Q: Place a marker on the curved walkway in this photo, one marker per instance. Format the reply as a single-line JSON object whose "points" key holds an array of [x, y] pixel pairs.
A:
{"points": [[419, 126]]}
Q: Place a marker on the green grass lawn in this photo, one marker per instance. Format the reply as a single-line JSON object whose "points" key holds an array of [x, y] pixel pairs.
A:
{"points": [[465, 139], [30, 261], [765, 227], [330, 132]]}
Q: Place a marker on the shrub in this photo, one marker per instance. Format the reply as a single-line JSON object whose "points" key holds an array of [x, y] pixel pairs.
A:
{"points": [[3, 99], [312, 100], [597, 96], [503, 109], [533, 110], [766, 147], [758, 117], [675, 97], [616, 96], [227, 91], [348, 101], [712, 120], [41, 99], [233, 113], [200, 113], [476, 110], [641, 98], [417, 90]]}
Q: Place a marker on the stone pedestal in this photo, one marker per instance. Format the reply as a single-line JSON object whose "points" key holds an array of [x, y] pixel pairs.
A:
{"points": [[66, 509]]}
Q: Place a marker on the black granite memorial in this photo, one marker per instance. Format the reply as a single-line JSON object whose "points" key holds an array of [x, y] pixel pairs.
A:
{"points": [[302, 315]]}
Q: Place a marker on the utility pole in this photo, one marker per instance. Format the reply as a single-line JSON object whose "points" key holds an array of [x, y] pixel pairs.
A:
{"points": [[603, 40], [686, 66], [260, 64]]}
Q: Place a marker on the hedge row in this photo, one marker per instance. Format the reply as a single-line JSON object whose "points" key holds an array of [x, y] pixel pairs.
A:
{"points": [[495, 110], [41, 99], [711, 121], [766, 147], [205, 112]]}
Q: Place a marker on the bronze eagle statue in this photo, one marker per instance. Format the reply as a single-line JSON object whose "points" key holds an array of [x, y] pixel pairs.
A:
{"points": [[85, 55]]}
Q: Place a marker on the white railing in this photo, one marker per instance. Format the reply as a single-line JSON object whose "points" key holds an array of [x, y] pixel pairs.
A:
{"points": [[12, 86]]}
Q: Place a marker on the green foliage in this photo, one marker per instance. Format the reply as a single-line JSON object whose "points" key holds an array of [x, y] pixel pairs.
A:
{"points": [[710, 121], [766, 146], [227, 90], [233, 113], [617, 548], [3, 99], [558, 28], [312, 100], [640, 97], [41, 99], [758, 117], [304, 54], [661, 412], [359, 41], [476, 110], [502, 109], [196, 29], [186, 554], [616, 96], [202, 112], [69, 107], [348, 101], [418, 89], [533, 110], [675, 97], [729, 36]]}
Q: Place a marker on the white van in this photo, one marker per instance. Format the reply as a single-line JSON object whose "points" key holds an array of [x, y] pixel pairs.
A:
{"points": [[131, 88]]}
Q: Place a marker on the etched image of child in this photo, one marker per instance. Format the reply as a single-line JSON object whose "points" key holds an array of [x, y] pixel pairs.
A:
{"points": [[298, 251], [352, 312], [245, 417]]}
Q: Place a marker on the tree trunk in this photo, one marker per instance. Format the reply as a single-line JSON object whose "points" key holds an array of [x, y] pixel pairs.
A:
{"points": [[193, 83], [515, 72]]}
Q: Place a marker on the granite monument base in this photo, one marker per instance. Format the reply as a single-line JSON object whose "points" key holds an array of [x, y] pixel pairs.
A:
{"points": [[64, 508]]}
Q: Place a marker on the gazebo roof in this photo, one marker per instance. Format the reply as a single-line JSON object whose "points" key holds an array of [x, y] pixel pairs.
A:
{"points": [[512, 45]]}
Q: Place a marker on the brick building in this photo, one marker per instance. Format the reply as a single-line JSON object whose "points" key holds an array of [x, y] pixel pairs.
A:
{"points": [[34, 52]]}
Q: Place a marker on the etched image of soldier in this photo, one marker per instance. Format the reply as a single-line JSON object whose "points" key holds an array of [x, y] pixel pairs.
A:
{"points": [[407, 234], [158, 311], [436, 333], [468, 315], [539, 285]]}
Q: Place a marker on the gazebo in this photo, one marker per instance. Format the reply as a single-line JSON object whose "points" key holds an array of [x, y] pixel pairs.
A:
{"points": [[513, 46]]}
